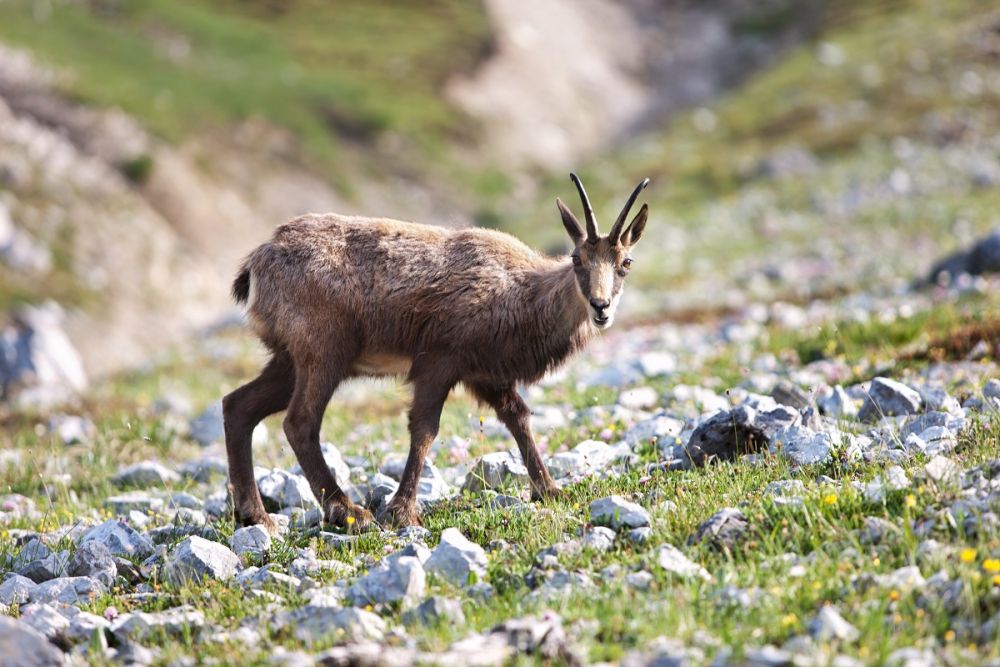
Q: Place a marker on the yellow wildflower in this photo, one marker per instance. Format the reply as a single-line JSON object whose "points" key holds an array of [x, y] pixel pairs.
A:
{"points": [[968, 555], [911, 500], [996, 579], [991, 564], [350, 520], [830, 499], [949, 636], [789, 619], [893, 595]]}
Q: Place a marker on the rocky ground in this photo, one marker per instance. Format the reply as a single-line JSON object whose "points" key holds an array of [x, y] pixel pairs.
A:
{"points": [[782, 485]]}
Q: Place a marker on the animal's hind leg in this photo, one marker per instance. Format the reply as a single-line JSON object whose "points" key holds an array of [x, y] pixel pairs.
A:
{"points": [[315, 381], [242, 410], [515, 415], [431, 385]]}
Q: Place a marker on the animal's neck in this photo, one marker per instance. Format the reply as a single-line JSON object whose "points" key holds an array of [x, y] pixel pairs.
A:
{"points": [[556, 302]]}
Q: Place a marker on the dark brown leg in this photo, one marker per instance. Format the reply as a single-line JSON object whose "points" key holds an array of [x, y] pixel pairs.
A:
{"points": [[242, 410], [315, 382], [515, 415], [430, 390]]}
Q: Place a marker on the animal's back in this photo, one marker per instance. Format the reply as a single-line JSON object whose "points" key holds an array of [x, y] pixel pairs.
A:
{"points": [[399, 284]]}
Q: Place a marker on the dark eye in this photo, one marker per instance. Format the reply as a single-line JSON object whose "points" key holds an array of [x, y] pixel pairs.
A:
{"points": [[627, 264], [576, 260]]}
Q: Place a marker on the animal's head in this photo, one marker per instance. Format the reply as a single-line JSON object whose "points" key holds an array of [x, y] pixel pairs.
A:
{"points": [[602, 263]]}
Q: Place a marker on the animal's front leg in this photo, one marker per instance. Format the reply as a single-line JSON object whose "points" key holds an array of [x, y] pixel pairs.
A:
{"points": [[515, 415], [429, 394]]}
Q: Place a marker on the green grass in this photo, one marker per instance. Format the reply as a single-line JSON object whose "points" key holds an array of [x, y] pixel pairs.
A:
{"points": [[333, 73], [610, 618]]}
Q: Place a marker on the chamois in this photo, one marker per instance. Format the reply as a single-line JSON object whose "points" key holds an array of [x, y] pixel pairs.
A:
{"points": [[336, 297]]}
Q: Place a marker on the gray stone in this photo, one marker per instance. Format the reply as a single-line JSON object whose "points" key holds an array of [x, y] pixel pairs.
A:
{"points": [[436, 610], [790, 394], [837, 403], [638, 398], [672, 560], [992, 388], [183, 500], [942, 470], [586, 458], [202, 469], [312, 624], [306, 565], [932, 441], [640, 535], [876, 530], [495, 471], [266, 577], [456, 559], [334, 461], [16, 589], [768, 656], [726, 435], [38, 364], [120, 539], [802, 445], [140, 501], [785, 487], [21, 645], [543, 638], [829, 624], [280, 489], [654, 429], [254, 540], [416, 550], [83, 626], [45, 619], [68, 590], [400, 580], [599, 538], [140, 626], [207, 427], [93, 559], [912, 657], [724, 529], [641, 580], [413, 534], [616, 512], [50, 566], [71, 429], [145, 474], [196, 558], [889, 398]]}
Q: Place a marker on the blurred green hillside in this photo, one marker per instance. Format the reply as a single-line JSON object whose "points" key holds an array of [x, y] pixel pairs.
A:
{"points": [[332, 72], [879, 136]]}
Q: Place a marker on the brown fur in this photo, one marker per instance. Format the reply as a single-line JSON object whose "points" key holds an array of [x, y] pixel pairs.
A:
{"points": [[336, 297]]}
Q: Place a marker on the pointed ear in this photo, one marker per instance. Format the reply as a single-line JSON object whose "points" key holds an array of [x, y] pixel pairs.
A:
{"points": [[572, 225], [636, 227]]}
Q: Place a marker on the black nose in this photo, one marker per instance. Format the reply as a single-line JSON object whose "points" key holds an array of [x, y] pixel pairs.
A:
{"points": [[599, 304]]}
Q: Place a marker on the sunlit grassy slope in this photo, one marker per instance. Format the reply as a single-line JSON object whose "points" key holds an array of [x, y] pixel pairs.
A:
{"points": [[329, 71], [885, 86]]}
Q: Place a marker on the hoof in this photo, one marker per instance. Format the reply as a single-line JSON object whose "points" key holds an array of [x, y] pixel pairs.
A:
{"points": [[401, 516], [261, 519], [353, 518], [549, 492]]}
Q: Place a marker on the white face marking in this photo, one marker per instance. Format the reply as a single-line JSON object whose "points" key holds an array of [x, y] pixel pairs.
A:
{"points": [[602, 285]]}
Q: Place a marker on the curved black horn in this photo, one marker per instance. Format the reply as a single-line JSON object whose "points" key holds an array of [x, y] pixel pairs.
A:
{"points": [[588, 211], [616, 229]]}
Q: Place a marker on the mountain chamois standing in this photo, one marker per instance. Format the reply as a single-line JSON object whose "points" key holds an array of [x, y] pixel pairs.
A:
{"points": [[335, 297]]}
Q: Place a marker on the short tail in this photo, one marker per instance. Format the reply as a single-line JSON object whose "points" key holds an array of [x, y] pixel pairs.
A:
{"points": [[241, 286]]}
